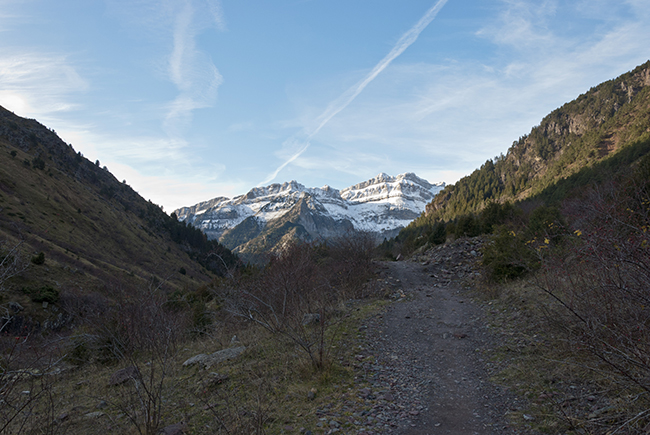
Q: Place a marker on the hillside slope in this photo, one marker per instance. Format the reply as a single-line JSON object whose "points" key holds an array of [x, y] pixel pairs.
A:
{"points": [[93, 230], [582, 134]]}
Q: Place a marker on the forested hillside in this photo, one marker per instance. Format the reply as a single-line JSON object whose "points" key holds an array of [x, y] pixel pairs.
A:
{"points": [[601, 133], [582, 133]]}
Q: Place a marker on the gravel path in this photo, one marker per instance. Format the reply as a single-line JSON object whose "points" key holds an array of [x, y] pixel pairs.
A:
{"points": [[425, 361]]}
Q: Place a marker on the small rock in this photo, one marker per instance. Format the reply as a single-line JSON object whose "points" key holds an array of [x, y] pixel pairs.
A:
{"points": [[196, 359], [95, 414], [215, 358], [102, 404], [123, 375], [174, 429], [310, 319], [528, 417], [218, 378], [311, 395]]}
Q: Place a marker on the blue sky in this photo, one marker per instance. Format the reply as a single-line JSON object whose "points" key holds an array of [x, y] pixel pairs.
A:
{"points": [[188, 100]]}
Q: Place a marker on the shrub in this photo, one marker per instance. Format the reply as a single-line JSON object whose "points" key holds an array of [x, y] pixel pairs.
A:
{"points": [[506, 255], [43, 294], [495, 214], [438, 233], [601, 280], [297, 294], [546, 221], [38, 163], [39, 258], [467, 226]]}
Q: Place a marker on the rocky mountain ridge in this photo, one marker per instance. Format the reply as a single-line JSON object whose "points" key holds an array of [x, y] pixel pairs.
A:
{"points": [[266, 216], [583, 133]]}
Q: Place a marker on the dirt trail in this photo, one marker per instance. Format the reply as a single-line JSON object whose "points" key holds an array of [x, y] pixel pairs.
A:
{"points": [[430, 350]]}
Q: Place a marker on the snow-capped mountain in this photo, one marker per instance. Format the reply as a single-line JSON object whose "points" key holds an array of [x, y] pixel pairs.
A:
{"points": [[265, 216]]}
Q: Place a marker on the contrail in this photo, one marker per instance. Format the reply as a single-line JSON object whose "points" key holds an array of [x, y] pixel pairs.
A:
{"points": [[348, 96], [283, 165]]}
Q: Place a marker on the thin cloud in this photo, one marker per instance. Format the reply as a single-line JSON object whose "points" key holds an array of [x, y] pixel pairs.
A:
{"points": [[463, 113], [191, 70], [183, 46], [175, 193], [344, 100], [404, 42], [36, 84], [303, 148]]}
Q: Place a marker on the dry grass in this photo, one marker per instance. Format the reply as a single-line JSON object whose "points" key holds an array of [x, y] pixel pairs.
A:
{"points": [[567, 388], [272, 386], [87, 239]]}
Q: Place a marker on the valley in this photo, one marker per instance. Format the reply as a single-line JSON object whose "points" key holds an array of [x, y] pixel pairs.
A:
{"points": [[513, 301]]}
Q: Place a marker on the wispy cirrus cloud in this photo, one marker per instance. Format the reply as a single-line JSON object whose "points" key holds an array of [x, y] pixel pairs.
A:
{"points": [[348, 96], [191, 70], [37, 84], [456, 114], [172, 192], [176, 25]]}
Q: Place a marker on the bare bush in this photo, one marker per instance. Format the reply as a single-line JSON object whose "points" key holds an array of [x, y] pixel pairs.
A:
{"points": [[28, 374], [350, 262], [141, 335], [291, 297], [601, 279], [243, 407], [12, 262], [298, 292], [148, 336]]}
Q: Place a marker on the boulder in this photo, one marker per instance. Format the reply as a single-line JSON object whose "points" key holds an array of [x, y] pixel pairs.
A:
{"points": [[196, 359], [215, 358], [123, 375]]}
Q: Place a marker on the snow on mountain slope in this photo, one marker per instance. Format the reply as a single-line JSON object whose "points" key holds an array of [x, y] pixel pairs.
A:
{"points": [[382, 205]]}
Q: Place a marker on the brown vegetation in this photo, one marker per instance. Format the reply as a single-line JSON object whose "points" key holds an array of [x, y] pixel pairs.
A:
{"points": [[118, 364], [585, 337]]}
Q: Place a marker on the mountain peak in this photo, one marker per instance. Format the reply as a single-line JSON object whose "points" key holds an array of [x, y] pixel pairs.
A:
{"points": [[381, 205]]}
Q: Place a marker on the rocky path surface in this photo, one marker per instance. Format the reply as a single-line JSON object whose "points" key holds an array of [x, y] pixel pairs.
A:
{"points": [[425, 359]]}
